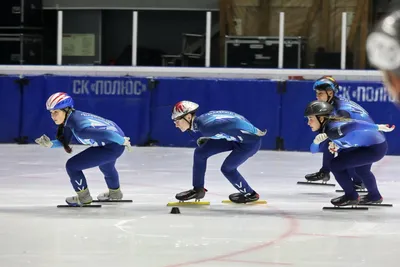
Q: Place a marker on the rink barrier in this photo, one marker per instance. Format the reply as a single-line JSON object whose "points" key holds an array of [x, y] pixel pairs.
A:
{"points": [[188, 72], [122, 99], [142, 106]]}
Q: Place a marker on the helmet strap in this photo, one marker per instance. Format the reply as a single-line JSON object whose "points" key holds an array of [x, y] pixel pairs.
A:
{"points": [[319, 120], [67, 111], [330, 98], [189, 122], [321, 123]]}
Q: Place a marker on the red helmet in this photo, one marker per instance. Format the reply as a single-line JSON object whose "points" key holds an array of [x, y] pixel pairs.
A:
{"points": [[59, 100], [182, 108]]}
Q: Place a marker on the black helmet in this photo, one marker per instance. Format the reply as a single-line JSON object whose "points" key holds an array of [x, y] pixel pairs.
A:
{"points": [[383, 43], [318, 108]]}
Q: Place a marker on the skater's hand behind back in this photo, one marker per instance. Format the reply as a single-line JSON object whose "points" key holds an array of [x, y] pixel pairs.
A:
{"points": [[333, 148], [385, 127], [127, 144], [202, 140]]}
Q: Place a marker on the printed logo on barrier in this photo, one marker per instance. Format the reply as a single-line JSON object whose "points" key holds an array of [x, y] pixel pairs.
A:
{"points": [[361, 93], [108, 87]]}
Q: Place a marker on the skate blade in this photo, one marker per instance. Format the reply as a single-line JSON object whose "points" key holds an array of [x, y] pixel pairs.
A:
{"points": [[357, 190], [316, 183], [188, 203], [345, 208], [84, 206], [248, 203], [114, 201], [377, 205]]}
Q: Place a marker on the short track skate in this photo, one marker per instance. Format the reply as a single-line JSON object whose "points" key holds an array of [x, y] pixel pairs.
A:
{"points": [[196, 202], [344, 203], [83, 206], [317, 178], [359, 189], [81, 200], [227, 201], [114, 201], [239, 198], [112, 196], [365, 201], [196, 193]]}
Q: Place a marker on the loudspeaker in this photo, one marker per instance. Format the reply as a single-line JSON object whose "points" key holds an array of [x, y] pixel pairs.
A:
{"points": [[331, 60], [19, 14], [21, 49], [262, 52]]}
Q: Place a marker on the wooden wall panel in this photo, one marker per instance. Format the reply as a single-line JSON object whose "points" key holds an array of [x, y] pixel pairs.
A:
{"points": [[261, 17], [291, 3]]}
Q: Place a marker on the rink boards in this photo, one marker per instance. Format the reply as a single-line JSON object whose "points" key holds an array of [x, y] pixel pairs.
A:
{"points": [[142, 106]]}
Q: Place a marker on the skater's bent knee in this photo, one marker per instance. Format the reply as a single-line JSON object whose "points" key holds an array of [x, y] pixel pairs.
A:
{"points": [[201, 153], [363, 173], [227, 169], [337, 166], [71, 164]]}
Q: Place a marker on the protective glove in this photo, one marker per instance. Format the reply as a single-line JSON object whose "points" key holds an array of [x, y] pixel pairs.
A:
{"points": [[333, 147], [385, 127], [202, 140], [261, 133], [44, 141], [127, 144], [320, 138]]}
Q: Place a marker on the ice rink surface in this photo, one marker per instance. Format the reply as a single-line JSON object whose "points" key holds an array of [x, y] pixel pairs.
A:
{"points": [[291, 230]]}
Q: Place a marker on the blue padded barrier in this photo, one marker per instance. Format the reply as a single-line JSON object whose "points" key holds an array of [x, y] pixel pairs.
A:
{"points": [[257, 100], [123, 100], [372, 96], [142, 106], [10, 106], [296, 134]]}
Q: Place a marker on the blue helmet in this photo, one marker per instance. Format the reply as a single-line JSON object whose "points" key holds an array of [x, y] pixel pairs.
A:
{"points": [[59, 100], [326, 83]]}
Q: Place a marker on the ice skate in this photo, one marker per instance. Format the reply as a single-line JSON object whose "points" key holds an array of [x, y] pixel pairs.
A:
{"points": [[111, 194], [82, 198], [360, 188], [241, 198], [314, 178], [195, 193], [345, 201], [318, 176], [367, 200]]}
